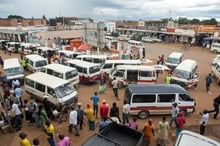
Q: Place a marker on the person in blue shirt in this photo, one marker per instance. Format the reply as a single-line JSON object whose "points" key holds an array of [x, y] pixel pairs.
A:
{"points": [[208, 82], [95, 100], [18, 93]]}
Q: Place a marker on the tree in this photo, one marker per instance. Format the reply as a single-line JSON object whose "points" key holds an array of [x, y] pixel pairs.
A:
{"points": [[15, 16], [195, 21], [182, 20]]}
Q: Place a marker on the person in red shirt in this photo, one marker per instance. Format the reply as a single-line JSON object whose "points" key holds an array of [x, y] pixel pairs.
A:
{"points": [[180, 121], [104, 109]]}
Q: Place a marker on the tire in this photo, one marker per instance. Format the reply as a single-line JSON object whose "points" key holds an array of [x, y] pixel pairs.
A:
{"points": [[63, 117], [143, 114]]}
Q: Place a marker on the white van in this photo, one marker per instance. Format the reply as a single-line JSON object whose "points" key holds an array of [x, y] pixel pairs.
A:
{"points": [[13, 70], [185, 74], [111, 64], [63, 72], [46, 51], [135, 49], [139, 74], [28, 48], [59, 91], [173, 60], [189, 138], [88, 72], [215, 47], [35, 62], [157, 99], [14, 46], [216, 72], [67, 54], [98, 59]]}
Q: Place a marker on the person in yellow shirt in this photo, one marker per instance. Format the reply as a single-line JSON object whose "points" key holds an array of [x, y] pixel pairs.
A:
{"points": [[23, 140], [89, 112], [49, 128]]}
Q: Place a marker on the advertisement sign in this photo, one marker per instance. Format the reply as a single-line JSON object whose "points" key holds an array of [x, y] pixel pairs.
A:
{"points": [[205, 28]]}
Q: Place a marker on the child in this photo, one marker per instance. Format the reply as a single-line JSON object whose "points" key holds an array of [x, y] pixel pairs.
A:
{"points": [[133, 124]]}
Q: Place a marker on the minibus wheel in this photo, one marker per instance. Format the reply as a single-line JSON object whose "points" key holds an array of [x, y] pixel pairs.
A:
{"points": [[143, 114]]}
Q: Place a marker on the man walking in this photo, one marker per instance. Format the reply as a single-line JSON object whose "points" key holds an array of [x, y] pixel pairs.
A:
{"points": [[49, 128], [125, 112], [90, 116], [175, 111], [95, 100], [148, 132], [208, 82], [73, 121], [80, 115], [104, 109], [115, 87], [216, 106], [163, 129], [180, 121], [204, 121]]}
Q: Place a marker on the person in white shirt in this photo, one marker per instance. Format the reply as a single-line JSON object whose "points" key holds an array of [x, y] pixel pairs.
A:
{"points": [[14, 83], [125, 113], [204, 121], [73, 121], [115, 87], [17, 112], [175, 111]]}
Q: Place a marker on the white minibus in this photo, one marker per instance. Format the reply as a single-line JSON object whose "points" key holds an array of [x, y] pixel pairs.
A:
{"points": [[215, 47], [13, 70], [108, 65], [14, 46], [88, 72], [98, 59], [46, 51], [110, 38], [185, 74], [60, 92], [174, 59], [139, 74], [157, 99], [28, 48], [35, 62], [67, 54], [135, 43], [63, 72]]}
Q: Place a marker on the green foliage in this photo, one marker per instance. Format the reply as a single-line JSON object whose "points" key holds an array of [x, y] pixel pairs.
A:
{"points": [[15, 16], [182, 20]]}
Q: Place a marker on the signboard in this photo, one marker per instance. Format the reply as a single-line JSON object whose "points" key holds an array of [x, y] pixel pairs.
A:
{"points": [[205, 28]]}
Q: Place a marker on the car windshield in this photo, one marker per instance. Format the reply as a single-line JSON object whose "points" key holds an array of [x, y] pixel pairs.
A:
{"points": [[94, 69], [13, 71], [181, 74], [118, 74], [173, 60], [64, 90], [41, 63]]}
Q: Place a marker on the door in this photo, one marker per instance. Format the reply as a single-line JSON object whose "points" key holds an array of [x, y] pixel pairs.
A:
{"points": [[164, 103]]}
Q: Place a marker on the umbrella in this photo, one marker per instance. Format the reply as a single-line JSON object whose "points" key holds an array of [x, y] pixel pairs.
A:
{"points": [[161, 67], [84, 47]]}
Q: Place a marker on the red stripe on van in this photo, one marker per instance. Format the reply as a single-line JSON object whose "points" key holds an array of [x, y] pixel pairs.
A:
{"points": [[160, 108]]}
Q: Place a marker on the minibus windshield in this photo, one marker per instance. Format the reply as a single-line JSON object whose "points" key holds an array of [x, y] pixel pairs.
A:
{"points": [[64, 90], [71, 74], [173, 60], [13, 71], [118, 74], [181, 74], [94, 69]]}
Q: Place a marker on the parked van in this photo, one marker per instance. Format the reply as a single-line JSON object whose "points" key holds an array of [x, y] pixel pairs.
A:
{"points": [[189, 138], [67, 54], [127, 74], [155, 99], [35, 62], [46, 51], [174, 59], [88, 72], [111, 64], [60, 92], [28, 48], [110, 38], [14, 46], [63, 72], [98, 59], [135, 43], [216, 72], [185, 74], [13, 70], [215, 47]]}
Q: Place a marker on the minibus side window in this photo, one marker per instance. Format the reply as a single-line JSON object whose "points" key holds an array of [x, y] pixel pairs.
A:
{"points": [[50, 91], [80, 69], [107, 66], [166, 98], [31, 62], [57, 74], [29, 82], [49, 71], [40, 87], [145, 74], [143, 98], [185, 97], [72, 65]]}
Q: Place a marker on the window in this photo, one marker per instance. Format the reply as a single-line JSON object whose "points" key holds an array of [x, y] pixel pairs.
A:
{"points": [[80, 69], [84, 70], [94, 69], [57, 74], [29, 82], [185, 97], [49, 71], [144, 98], [40, 87], [107, 66], [41, 63], [166, 98], [72, 65], [50, 91], [31, 62], [145, 74], [71, 74]]}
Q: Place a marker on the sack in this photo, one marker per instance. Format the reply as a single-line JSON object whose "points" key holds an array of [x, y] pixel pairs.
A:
{"points": [[101, 89]]}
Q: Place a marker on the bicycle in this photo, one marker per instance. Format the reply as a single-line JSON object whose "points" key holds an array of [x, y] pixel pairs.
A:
{"points": [[61, 115]]}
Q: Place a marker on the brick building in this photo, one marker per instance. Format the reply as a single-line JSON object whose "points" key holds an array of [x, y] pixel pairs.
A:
{"points": [[25, 22]]}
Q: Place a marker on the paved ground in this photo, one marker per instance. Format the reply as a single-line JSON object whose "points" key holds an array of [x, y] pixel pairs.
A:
{"points": [[204, 101]]}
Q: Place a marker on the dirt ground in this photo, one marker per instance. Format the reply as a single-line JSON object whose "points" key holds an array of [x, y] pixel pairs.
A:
{"points": [[204, 101]]}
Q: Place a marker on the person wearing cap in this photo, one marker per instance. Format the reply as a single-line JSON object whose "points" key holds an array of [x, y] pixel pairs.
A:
{"points": [[80, 115], [23, 139], [95, 100], [89, 112], [148, 132], [168, 79], [204, 121], [180, 121], [175, 111], [73, 121], [63, 140], [104, 109]]}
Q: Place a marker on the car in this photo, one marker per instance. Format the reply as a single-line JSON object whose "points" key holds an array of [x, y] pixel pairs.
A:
{"points": [[216, 59], [147, 39], [156, 39]]}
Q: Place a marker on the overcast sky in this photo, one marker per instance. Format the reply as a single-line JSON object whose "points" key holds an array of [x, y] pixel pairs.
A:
{"points": [[112, 9]]}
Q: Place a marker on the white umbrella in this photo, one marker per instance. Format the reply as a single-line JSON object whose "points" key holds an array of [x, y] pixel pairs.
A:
{"points": [[161, 67]]}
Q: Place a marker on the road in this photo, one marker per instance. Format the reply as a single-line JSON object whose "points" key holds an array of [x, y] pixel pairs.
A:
{"points": [[203, 100]]}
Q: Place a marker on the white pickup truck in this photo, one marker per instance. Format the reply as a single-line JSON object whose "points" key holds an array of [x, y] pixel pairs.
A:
{"points": [[216, 72]]}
